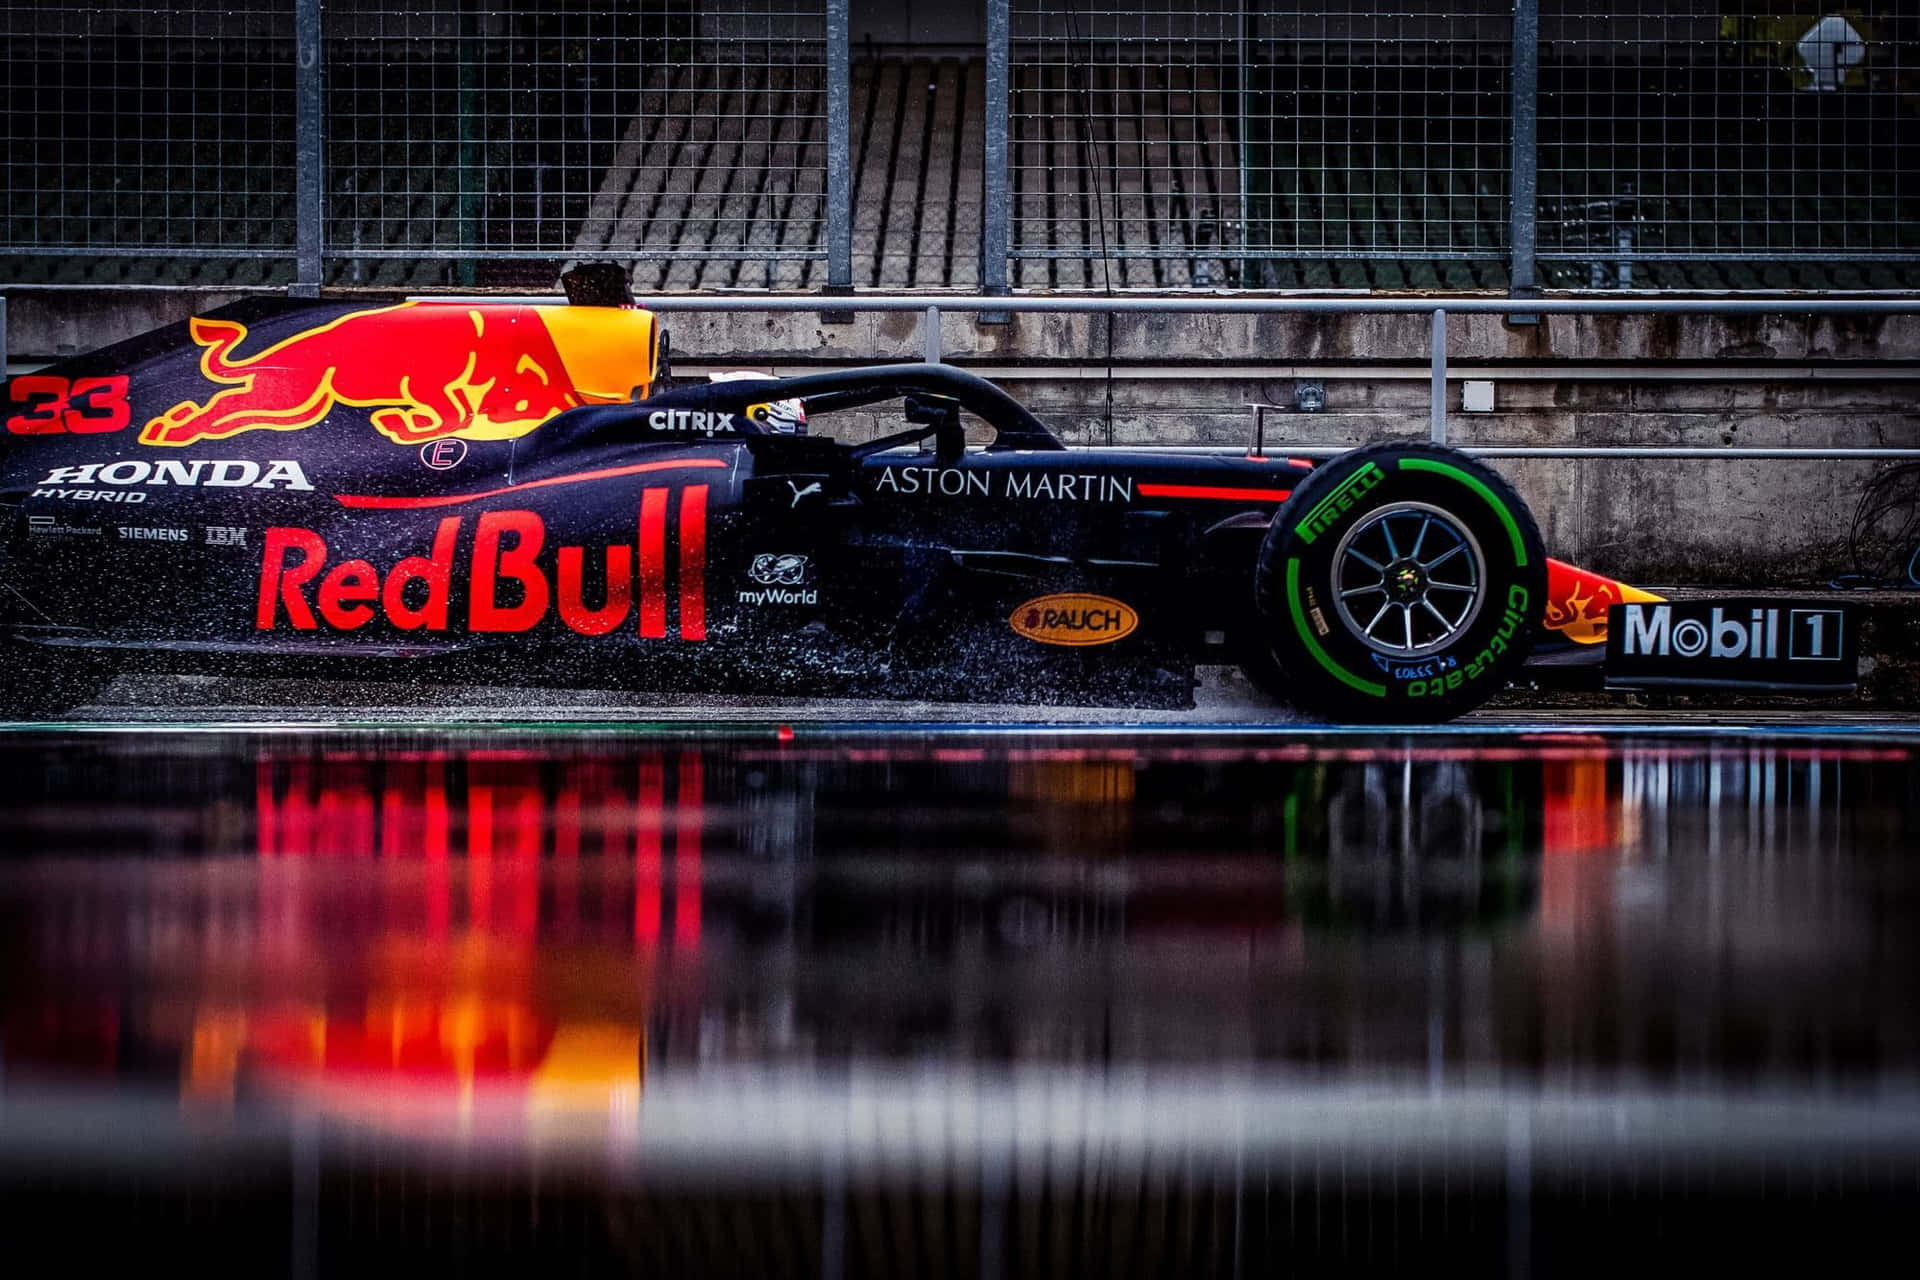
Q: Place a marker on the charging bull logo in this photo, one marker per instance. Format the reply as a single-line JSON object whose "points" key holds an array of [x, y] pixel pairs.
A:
{"points": [[1577, 602], [427, 370]]}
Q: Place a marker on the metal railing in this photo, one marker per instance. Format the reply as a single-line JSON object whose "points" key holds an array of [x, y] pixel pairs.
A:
{"points": [[931, 307], [1448, 145]]}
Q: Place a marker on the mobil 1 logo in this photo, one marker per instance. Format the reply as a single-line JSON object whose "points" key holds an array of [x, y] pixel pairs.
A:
{"points": [[1768, 644]]}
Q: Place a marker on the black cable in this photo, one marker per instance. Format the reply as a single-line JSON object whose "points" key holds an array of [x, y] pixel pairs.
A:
{"points": [[1883, 540]]}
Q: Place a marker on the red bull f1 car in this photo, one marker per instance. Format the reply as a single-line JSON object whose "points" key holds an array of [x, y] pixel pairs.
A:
{"points": [[515, 492]]}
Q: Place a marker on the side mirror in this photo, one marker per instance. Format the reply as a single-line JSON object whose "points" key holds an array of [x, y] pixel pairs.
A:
{"points": [[942, 413]]}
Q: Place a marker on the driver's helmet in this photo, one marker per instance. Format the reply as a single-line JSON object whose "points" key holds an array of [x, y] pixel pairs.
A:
{"points": [[776, 417]]}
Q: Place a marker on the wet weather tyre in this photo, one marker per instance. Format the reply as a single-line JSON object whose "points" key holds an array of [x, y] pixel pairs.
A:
{"points": [[1400, 583], [39, 682]]}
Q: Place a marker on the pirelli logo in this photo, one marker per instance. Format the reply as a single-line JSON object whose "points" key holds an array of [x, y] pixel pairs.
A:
{"points": [[1330, 510]]}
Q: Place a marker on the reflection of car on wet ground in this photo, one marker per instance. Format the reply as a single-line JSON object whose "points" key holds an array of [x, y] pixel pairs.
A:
{"points": [[502, 925], [517, 490], [1397, 844]]}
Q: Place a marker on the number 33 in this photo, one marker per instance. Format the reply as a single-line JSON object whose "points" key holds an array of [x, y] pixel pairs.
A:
{"points": [[82, 407]]}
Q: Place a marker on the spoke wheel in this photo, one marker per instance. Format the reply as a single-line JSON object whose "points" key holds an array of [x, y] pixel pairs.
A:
{"points": [[1399, 582], [1409, 579]]}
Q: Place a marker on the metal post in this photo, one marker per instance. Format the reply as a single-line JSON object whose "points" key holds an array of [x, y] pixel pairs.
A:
{"points": [[930, 334], [839, 152], [309, 152], [1437, 430], [1240, 96], [1522, 276], [995, 243], [469, 109]]}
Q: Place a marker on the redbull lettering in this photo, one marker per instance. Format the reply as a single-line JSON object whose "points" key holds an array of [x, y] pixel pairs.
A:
{"points": [[427, 370], [509, 585]]}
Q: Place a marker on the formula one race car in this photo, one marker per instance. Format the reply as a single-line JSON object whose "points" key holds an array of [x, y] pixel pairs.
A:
{"points": [[510, 491]]}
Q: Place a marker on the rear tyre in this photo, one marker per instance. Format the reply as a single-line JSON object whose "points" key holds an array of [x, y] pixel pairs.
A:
{"points": [[38, 682], [1399, 583]]}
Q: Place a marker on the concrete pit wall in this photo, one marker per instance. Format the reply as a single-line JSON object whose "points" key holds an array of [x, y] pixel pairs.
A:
{"points": [[1761, 381], [1659, 521], [1778, 380]]}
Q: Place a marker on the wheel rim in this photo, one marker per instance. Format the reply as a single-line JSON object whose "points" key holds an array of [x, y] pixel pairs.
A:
{"points": [[1408, 580]]}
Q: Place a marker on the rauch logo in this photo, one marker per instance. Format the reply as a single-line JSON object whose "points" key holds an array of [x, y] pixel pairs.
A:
{"points": [[1074, 619]]}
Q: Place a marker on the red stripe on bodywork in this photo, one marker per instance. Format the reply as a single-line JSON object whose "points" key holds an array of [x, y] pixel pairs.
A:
{"points": [[378, 502], [653, 564], [693, 562], [1209, 491]]}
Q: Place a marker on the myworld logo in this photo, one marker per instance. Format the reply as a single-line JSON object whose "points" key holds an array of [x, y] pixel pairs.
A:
{"points": [[778, 570], [779, 595], [781, 575]]}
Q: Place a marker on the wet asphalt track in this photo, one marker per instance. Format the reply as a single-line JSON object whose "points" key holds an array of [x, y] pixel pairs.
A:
{"points": [[1223, 700], [1516, 979]]}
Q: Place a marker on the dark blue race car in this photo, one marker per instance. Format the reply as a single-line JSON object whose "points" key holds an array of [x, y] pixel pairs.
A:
{"points": [[515, 492]]}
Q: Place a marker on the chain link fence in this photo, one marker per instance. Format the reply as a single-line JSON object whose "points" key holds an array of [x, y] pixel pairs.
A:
{"points": [[1739, 149], [465, 144], [1146, 145], [1170, 146], [148, 142], [503, 137], [723, 163], [1124, 153]]}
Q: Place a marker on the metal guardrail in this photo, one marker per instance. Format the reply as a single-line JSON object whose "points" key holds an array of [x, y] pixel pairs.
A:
{"points": [[931, 306]]}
